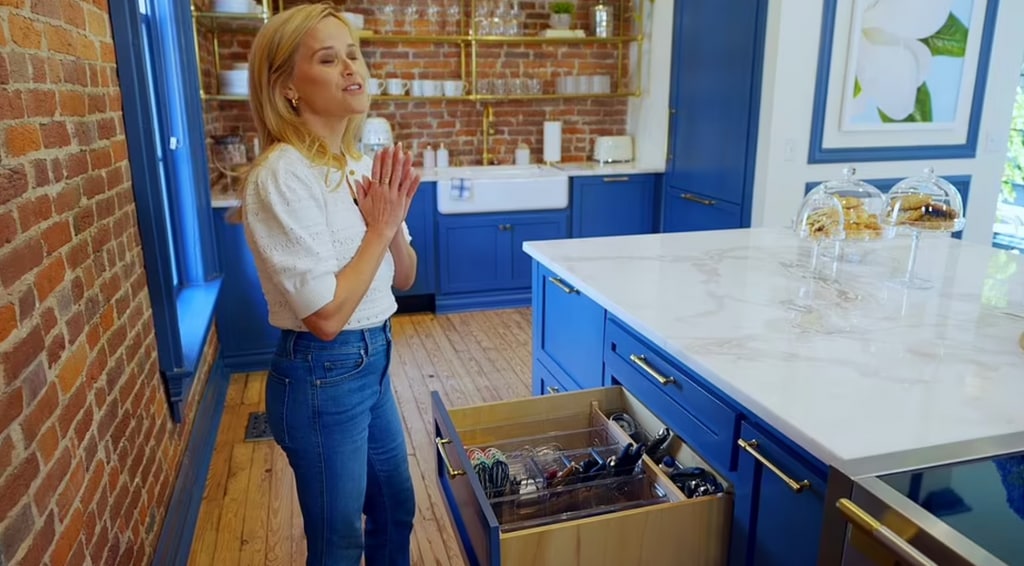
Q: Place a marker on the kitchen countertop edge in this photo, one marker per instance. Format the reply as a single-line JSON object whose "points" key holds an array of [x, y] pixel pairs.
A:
{"points": [[571, 169]]}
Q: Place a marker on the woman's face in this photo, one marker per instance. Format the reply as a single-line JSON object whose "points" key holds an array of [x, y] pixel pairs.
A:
{"points": [[330, 73]]}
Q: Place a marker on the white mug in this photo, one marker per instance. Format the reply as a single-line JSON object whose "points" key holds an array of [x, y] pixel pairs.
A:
{"points": [[396, 87], [432, 88], [454, 88], [418, 88], [374, 86]]}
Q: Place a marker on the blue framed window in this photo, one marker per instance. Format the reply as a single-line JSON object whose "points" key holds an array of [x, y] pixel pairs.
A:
{"points": [[158, 74]]}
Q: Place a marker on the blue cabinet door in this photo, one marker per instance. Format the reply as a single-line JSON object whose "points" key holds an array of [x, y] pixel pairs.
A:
{"points": [[526, 228], [612, 205], [691, 212], [247, 340], [716, 73], [568, 333], [421, 227], [775, 525], [545, 383], [484, 252], [472, 253]]}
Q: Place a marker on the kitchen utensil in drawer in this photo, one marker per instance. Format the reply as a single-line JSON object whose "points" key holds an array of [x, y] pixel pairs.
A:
{"points": [[613, 149], [538, 524]]}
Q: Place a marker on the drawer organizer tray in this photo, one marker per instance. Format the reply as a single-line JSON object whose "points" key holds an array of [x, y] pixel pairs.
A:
{"points": [[531, 509], [564, 475]]}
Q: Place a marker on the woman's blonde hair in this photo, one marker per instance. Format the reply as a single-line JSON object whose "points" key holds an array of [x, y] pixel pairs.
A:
{"points": [[271, 65]]}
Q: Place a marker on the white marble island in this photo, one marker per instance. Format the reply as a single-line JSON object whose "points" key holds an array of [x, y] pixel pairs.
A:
{"points": [[858, 372]]}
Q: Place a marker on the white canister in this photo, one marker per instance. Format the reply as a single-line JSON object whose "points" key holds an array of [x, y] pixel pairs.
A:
{"points": [[522, 154]]}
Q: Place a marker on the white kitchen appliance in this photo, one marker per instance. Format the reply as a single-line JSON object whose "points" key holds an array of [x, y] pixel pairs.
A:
{"points": [[377, 135], [613, 149]]}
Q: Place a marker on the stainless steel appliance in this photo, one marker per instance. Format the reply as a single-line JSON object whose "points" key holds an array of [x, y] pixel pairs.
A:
{"points": [[964, 511]]}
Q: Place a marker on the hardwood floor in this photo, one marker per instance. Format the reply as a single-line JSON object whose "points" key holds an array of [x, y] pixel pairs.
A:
{"points": [[249, 513]]}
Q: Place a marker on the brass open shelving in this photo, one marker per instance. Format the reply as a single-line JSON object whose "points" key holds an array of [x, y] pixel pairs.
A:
{"points": [[217, 23]]}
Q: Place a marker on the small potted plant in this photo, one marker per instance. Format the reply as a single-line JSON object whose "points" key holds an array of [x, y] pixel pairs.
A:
{"points": [[561, 14]]}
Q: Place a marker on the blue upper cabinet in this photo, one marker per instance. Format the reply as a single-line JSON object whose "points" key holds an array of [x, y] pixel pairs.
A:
{"points": [[612, 205], [420, 221], [715, 96]]}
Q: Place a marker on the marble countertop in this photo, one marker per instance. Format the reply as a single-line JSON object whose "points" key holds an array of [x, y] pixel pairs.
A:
{"points": [[863, 374], [572, 169]]}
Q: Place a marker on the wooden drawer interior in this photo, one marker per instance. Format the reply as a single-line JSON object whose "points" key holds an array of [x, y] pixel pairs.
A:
{"points": [[638, 517]]}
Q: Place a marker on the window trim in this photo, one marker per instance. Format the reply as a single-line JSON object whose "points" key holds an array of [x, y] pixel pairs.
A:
{"points": [[183, 315]]}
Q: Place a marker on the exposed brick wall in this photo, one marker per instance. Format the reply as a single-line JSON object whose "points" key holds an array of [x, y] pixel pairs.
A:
{"points": [[459, 123], [88, 452]]}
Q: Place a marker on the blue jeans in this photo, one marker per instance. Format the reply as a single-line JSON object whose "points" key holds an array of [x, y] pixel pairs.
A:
{"points": [[331, 409]]}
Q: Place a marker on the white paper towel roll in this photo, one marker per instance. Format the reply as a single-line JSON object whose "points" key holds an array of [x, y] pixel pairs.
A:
{"points": [[552, 141]]}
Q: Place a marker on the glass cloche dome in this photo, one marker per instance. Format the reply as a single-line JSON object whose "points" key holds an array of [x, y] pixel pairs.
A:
{"points": [[927, 203], [843, 209]]}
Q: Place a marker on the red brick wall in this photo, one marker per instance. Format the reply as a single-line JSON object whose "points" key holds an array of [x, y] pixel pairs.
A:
{"points": [[88, 452], [459, 123]]}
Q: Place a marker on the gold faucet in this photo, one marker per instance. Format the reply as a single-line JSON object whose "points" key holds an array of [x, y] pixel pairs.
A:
{"points": [[489, 131]]}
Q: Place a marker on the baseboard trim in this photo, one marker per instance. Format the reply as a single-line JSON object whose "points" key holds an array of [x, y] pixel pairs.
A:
{"points": [[446, 304], [175, 543], [258, 360]]}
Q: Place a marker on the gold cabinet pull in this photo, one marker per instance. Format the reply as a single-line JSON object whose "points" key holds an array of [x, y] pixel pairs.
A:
{"points": [[452, 472], [751, 447], [860, 519], [641, 361], [615, 179], [561, 285], [697, 199], [552, 389]]}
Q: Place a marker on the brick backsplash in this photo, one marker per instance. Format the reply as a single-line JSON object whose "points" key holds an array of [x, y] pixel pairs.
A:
{"points": [[458, 123], [88, 450]]}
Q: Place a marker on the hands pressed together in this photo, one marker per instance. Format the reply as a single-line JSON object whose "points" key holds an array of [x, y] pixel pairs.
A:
{"points": [[385, 197]]}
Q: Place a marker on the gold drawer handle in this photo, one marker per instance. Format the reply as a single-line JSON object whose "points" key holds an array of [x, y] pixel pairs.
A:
{"points": [[552, 389], [860, 519], [697, 199], [561, 285], [751, 446], [641, 361], [615, 179], [452, 472]]}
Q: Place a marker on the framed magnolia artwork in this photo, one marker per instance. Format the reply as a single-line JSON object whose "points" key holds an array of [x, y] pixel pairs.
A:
{"points": [[901, 79]]}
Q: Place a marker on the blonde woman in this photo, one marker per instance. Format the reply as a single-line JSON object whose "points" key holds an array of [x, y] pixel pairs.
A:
{"points": [[326, 226]]}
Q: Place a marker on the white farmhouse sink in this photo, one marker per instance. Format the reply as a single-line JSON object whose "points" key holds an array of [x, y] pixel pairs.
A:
{"points": [[501, 188]]}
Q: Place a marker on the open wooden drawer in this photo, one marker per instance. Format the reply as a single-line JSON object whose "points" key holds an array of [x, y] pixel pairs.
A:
{"points": [[639, 518]]}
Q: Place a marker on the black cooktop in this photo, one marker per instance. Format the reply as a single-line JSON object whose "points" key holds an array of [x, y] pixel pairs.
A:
{"points": [[981, 499]]}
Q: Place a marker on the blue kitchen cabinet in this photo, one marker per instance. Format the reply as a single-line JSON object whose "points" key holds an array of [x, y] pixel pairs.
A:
{"points": [[420, 221], [247, 340], [718, 50], [690, 212], [778, 515], [545, 382], [480, 261], [568, 333], [612, 205]]}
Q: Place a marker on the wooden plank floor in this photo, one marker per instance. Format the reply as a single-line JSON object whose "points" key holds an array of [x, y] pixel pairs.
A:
{"points": [[250, 514]]}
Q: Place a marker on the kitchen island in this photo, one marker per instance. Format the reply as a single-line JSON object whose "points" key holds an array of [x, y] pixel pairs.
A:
{"points": [[780, 379]]}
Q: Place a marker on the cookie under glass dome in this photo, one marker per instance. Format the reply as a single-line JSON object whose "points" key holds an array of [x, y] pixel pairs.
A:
{"points": [[927, 203], [861, 205], [924, 203]]}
